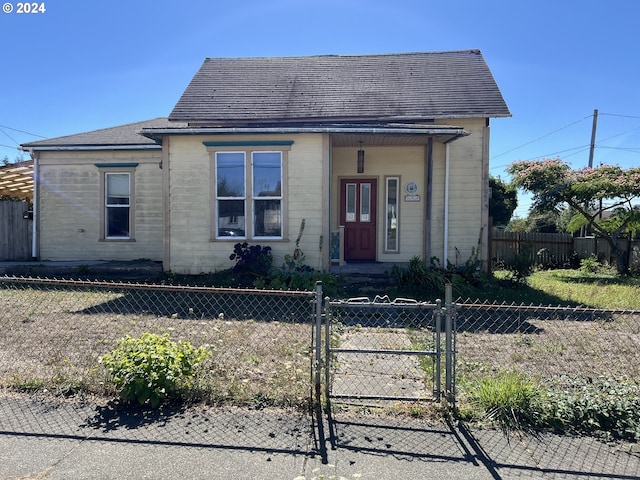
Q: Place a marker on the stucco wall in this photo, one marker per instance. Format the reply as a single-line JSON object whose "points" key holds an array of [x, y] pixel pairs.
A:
{"points": [[193, 247], [69, 206]]}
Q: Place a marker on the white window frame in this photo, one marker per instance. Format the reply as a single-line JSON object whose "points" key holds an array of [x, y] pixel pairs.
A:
{"points": [[392, 215], [218, 198], [116, 169], [255, 199], [249, 148]]}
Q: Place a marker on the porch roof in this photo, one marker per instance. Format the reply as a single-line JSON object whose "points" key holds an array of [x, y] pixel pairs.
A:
{"points": [[341, 135]]}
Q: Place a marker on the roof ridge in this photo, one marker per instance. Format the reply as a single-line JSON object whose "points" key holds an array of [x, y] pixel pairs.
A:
{"points": [[349, 55]]}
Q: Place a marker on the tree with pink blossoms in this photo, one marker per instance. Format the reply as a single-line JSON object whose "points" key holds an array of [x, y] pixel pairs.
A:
{"points": [[604, 198]]}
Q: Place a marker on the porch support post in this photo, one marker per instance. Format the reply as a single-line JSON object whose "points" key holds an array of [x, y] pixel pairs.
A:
{"points": [[427, 201]]}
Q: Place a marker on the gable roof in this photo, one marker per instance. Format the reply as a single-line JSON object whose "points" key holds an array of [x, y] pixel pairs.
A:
{"points": [[121, 137], [319, 89]]}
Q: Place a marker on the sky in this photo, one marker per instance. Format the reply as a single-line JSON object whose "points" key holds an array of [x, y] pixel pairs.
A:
{"points": [[79, 65]]}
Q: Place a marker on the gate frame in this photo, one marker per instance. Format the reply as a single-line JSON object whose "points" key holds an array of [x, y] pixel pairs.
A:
{"points": [[448, 312]]}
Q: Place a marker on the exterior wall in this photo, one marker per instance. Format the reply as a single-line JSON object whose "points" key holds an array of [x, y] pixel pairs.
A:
{"points": [[468, 195], [69, 204], [468, 199], [408, 163], [193, 248]]}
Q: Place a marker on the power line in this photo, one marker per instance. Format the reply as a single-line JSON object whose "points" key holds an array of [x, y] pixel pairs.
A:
{"points": [[21, 131], [618, 115], [580, 149], [9, 146], [543, 136], [9, 136]]}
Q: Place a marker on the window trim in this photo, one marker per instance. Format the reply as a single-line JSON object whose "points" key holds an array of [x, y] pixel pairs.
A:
{"points": [[387, 179], [117, 168], [217, 198], [254, 199], [248, 148]]}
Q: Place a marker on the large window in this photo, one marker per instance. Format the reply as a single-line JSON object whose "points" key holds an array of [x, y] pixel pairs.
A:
{"points": [[117, 194], [267, 194], [248, 196], [230, 194]]}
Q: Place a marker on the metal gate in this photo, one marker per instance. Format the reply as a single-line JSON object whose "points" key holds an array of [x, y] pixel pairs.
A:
{"points": [[385, 349]]}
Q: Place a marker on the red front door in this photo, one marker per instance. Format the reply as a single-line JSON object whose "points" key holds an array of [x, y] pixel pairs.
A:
{"points": [[358, 215]]}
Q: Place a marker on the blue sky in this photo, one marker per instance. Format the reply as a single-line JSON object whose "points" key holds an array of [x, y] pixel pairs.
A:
{"points": [[83, 65]]}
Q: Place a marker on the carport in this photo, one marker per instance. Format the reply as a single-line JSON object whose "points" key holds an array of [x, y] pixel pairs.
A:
{"points": [[16, 180]]}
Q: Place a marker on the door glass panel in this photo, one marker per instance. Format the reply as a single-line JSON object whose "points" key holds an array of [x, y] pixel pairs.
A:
{"points": [[365, 202], [351, 202]]}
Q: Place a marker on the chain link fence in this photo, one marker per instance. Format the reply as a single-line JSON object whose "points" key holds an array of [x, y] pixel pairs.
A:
{"points": [[53, 332], [561, 348], [554, 344]]}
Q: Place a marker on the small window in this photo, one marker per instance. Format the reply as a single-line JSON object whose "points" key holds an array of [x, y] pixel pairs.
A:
{"points": [[117, 217], [392, 224]]}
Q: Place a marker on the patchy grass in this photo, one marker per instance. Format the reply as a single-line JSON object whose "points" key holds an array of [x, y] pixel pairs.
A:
{"points": [[50, 341], [564, 287]]}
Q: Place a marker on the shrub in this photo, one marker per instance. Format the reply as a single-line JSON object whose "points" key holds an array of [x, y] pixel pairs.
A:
{"points": [[251, 259], [420, 279], [152, 367], [522, 265]]}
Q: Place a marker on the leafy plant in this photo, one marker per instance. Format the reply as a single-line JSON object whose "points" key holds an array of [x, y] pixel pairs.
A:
{"points": [[297, 259], [522, 265], [251, 260], [152, 367], [597, 405], [421, 280], [509, 399]]}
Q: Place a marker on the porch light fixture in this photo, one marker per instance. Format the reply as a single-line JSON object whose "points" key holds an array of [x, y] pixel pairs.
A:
{"points": [[360, 159]]}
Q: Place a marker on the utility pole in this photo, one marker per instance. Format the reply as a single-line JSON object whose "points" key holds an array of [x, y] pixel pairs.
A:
{"points": [[593, 137]]}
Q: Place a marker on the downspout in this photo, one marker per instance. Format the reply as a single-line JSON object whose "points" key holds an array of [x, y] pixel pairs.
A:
{"points": [[34, 221], [446, 203], [447, 174], [428, 200]]}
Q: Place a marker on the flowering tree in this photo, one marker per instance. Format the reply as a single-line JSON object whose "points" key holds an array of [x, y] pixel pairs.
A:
{"points": [[590, 192]]}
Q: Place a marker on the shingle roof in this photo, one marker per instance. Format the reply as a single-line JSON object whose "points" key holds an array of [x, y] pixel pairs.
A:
{"points": [[122, 136], [389, 87]]}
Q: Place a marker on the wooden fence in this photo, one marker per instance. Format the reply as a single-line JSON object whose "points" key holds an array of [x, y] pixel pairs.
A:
{"points": [[15, 231], [556, 249]]}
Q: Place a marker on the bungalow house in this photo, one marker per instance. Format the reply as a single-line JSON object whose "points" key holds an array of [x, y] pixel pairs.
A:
{"points": [[381, 158]]}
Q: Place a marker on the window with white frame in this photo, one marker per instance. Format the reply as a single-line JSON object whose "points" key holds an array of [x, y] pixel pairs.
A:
{"points": [[391, 239], [266, 174], [248, 194], [230, 194], [117, 201], [117, 205]]}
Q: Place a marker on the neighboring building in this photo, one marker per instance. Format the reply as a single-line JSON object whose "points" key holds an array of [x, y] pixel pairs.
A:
{"points": [[384, 157]]}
